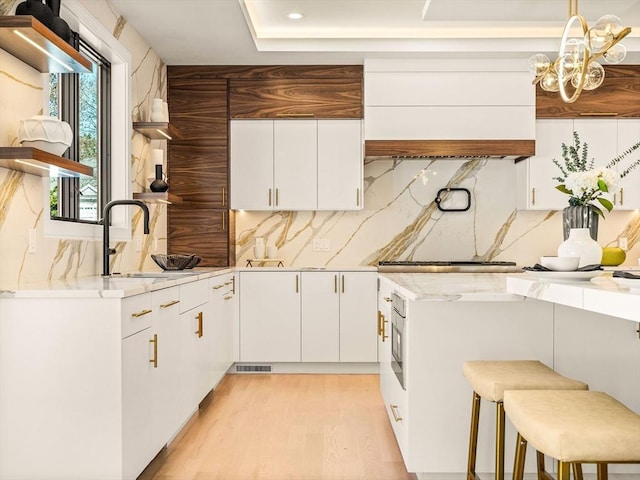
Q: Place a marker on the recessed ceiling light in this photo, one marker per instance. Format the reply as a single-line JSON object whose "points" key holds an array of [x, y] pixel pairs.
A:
{"points": [[295, 16]]}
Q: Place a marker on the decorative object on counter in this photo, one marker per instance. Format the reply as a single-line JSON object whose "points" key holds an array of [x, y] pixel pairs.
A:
{"points": [[560, 264], [586, 184], [444, 203], [158, 111], [46, 133], [176, 261], [613, 256], [259, 249], [278, 261], [576, 68], [272, 251], [159, 184], [580, 244]]}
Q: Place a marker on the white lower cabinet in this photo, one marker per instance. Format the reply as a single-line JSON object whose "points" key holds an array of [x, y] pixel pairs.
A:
{"points": [[222, 299], [320, 317], [358, 336]]}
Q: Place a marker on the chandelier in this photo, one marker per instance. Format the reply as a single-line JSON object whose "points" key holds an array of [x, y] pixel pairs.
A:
{"points": [[576, 68]]}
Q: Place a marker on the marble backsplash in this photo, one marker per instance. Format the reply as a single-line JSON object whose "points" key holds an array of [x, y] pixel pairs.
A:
{"points": [[23, 203], [402, 222]]}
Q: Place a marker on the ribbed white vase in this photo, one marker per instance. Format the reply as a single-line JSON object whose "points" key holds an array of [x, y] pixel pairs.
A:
{"points": [[580, 244]]}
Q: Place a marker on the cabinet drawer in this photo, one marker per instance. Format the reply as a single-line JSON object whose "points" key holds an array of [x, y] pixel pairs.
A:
{"points": [[193, 294], [136, 314]]}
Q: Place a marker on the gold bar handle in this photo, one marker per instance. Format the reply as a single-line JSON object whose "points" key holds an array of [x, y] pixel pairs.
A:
{"points": [[224, 196], [277, 197], [615, 198], [269, 197], [394, 411], [233, 284], [200, 331], [170, 304], [387, 299], [342, 283], [533, 196], [154, 360], [141, 313], [335, 284], [384, 329], [224, 220], [621, 196], [379, 323], [295, 115], [297, 284], [357, 197]]}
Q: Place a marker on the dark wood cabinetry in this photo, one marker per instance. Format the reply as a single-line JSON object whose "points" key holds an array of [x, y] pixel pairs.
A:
{"points": [[618, 96]]}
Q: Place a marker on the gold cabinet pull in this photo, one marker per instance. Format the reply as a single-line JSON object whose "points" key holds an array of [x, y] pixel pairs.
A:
{"points": [[342, 283], [621, 196], [387, 299], [224, 222], [269, 197], [394, 411], [228, 297], [383, 332], [200, 331], [379, 323], [170, 304], [277, 197], [228, 283], [233, 285], [296, 115], [219, 286], [357, 197], [154, 360], [533, 196], [297, 284], [335, 283], [141, 313], [224, 196]]}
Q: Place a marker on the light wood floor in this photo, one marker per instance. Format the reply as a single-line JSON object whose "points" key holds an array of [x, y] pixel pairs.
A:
{"points": [[286, 427]]}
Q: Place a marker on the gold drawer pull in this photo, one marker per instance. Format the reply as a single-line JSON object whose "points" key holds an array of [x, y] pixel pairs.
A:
{"points": [[384, 329], [394, 409], [335, 284], [622, 196], [228, 297], [216, 287], [200, 331], [141, 313], [387, 299], [277, 197], [269, 197], [170, 304], [229, 282], [154, 360], [357, 197], [533, 196], [342, 283]]}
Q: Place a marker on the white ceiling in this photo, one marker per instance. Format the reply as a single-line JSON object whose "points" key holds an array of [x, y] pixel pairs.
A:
{"points": [[254, 32]]}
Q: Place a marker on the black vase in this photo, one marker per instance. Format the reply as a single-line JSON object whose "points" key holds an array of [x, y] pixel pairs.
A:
{"points": [[54, 5], [61, 28], [38, 9], [158, 185]]}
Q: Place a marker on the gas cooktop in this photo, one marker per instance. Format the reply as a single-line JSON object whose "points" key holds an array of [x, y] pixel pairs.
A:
{"points": [[446, 266]]}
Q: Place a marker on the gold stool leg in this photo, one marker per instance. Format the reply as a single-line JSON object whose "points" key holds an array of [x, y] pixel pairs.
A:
{"points": [[499, 441], [518, 463], [577, 471], [542, 473], [473, 437], [564, 470], [603, 473]]}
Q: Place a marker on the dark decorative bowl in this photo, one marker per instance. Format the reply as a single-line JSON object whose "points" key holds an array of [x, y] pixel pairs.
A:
{"points": [[176, 261]]}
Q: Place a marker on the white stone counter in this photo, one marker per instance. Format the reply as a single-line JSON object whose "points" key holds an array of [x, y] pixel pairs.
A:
{"points": [[601, 294], [271, 268], [450, 287], [108, 287]]}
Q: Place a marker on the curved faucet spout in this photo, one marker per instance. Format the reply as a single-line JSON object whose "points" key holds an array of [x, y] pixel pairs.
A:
{"points": [[106, 222]]}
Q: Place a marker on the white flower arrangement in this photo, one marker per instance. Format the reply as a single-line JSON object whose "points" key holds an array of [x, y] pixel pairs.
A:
{"points": [[585, 183]]}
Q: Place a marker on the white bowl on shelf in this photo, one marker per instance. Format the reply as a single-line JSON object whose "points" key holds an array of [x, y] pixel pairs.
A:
{"points": [[45, 133], [560, 264]]}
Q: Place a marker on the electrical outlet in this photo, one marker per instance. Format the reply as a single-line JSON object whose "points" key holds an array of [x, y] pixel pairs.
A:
{"points": [[317, 245], [321, 245], [622, 243], [32, 240]]}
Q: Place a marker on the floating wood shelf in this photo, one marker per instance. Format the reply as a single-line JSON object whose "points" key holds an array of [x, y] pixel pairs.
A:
{"points": [[157, 130], [158, 197], [29, 40], [41, 163]]}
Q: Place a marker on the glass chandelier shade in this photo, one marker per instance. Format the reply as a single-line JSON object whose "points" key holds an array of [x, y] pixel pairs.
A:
{"points": [[576, 68]]}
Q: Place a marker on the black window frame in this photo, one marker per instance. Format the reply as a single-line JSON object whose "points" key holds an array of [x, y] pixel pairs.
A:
{"points": [[69, 111]]}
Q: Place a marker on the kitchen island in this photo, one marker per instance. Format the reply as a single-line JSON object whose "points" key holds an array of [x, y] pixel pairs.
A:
{"points": [[452, 318]]}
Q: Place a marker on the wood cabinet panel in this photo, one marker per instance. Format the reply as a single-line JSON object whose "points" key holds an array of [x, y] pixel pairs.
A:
{"points": [[198, 172], [204, 232], [277, 98], [199, 108], [618, 96], [198, 72]]}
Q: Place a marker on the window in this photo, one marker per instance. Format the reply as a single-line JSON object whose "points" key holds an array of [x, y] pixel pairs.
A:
{"points": [[84, 101]]}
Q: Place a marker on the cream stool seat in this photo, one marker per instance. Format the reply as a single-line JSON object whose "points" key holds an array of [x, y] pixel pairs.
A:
{"points": [[489, 380], [573, 427]]}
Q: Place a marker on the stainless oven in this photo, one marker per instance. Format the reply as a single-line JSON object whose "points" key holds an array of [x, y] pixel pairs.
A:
{"points": [[398, 354]]}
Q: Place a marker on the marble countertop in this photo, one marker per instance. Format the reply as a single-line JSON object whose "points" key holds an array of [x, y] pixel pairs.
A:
{"points": [[271, 268], [602, 294], [450, 287]]}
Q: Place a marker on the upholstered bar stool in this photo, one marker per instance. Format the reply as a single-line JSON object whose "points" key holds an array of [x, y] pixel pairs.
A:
{"points": [[573, 427], [489, 380]]}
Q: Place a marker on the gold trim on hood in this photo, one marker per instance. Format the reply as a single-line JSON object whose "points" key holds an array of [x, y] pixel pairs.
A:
{"points": [[516, 149]]}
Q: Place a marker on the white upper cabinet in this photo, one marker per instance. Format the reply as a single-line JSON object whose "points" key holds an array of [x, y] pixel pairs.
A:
{"points": [[605, 139], [296, 164], [448, 100]]}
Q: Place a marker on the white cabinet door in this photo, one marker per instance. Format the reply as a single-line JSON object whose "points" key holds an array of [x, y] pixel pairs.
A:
{"points": [[320, 317], [251, 152], [165, 369], [270, 316], [222, 301], [538, 190], [137, 448], [295, 164], [358, 319], [191, 361], [340, 163], [628, 195]]}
